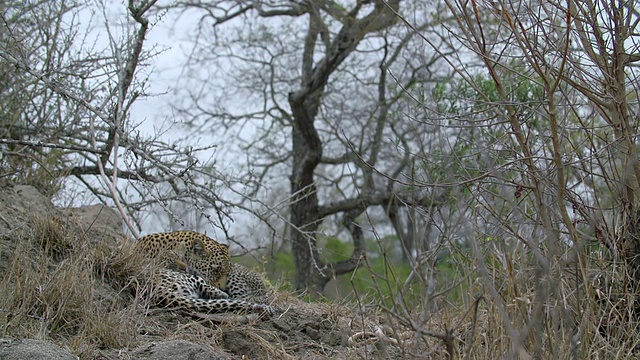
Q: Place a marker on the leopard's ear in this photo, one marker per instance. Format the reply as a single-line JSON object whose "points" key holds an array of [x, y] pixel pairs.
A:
{"points": [[198, 246]]}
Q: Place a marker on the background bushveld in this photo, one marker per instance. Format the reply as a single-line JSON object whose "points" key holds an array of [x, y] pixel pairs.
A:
{"points": [[466, 170]]}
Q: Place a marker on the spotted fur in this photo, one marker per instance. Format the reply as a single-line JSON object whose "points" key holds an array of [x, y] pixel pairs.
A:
{"points": [[198, 275]]}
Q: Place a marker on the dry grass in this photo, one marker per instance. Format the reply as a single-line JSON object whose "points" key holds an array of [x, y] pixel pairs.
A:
{"points": [[88, 297], [52, 290], [91, 299], [516, 311]]}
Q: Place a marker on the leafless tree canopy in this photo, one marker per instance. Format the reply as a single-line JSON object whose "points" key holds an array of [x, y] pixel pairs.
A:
{"points": [[66, 111]]}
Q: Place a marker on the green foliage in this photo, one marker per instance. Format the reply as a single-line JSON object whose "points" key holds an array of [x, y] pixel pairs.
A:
{"points": [[460, 97], [282, 268], [381, 278], [483, 102], [335, 249]]}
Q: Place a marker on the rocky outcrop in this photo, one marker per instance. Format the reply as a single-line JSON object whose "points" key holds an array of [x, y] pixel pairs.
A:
{"points": [[21, 205], [30, 349], [179, 349]]}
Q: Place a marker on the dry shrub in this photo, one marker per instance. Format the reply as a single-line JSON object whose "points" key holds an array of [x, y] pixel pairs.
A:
{"points": [[124, 266], [561, 313], [616, 316]]}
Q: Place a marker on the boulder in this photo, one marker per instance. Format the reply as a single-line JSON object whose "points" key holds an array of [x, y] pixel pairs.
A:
{"points": [[179, 349], [31, 349]]}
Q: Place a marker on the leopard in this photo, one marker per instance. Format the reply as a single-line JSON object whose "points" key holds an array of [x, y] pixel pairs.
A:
{"points": [[189, 251], [198, 275], [247, 284]]}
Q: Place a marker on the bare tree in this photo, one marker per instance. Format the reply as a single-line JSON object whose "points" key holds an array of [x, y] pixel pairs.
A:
{"points": [[326, 110], [66, 111]]}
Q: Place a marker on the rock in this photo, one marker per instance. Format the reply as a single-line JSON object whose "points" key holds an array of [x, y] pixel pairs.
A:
{"points": [[19, 204], [98, 223], [179, 349], [30, 349]]}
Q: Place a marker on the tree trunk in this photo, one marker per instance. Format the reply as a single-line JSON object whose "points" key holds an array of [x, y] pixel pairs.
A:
{"points": [[312, 274], [307, 151]]}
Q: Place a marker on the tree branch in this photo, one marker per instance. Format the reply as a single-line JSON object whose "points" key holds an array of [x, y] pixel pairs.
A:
{"points": [[345, 266], [383, 198], [39, 144], [128, 175]]}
